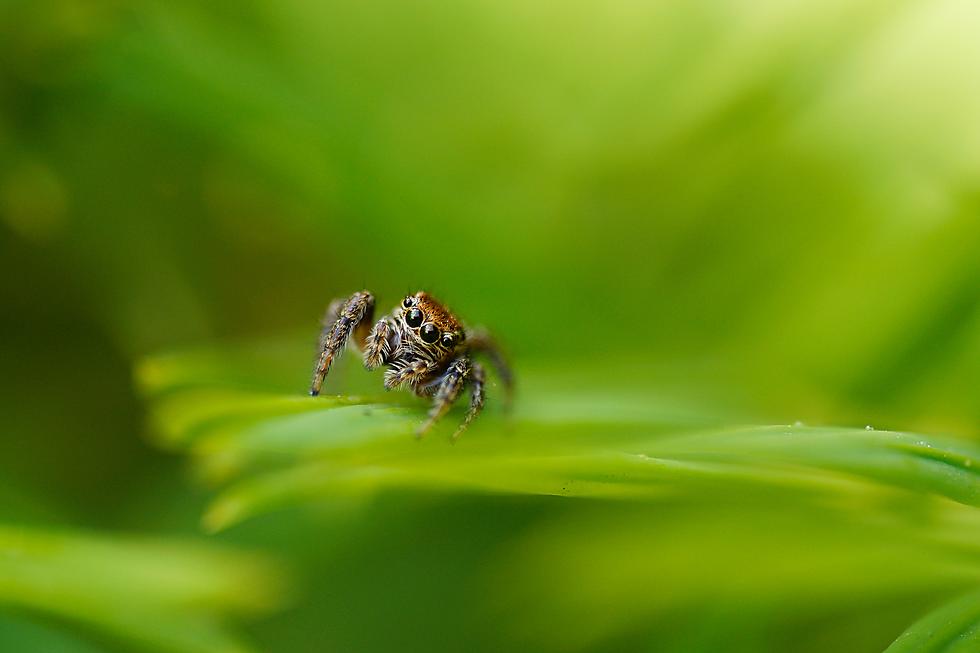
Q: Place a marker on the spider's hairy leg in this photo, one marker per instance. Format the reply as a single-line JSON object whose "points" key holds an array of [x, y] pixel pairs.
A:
{"points": [[477, 379], [329, 317], [358, 308], [480, 341], [378, 345], [450, 386]]}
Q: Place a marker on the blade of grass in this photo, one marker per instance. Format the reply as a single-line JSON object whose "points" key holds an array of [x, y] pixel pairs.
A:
{"points": [[588, 443], [157, 595], [951, 628]]}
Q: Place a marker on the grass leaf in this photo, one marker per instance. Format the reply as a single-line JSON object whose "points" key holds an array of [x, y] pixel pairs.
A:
{"points": [[952, 628], [286, 448], [155, 595], [708, 510]]}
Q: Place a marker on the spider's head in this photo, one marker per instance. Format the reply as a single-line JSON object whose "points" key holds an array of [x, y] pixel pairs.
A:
{"points": [[430, 323]]}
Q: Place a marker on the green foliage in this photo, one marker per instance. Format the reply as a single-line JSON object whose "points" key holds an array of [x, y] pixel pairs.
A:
{"points": [[953, 628], [833, 512], [150, 594], [691, 222]]}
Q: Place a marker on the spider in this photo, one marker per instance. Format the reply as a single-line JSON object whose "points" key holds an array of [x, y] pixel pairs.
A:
{"points": [[424, 347]]}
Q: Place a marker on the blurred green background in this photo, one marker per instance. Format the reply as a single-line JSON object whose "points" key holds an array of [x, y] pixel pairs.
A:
{"points": [[723, 212]]}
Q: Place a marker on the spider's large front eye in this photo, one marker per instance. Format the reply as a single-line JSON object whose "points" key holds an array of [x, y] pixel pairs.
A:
{"points": [[413, 318], [429, 333], [448, 340]]}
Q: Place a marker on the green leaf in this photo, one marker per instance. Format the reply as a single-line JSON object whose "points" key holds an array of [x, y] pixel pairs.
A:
{"points": [[659, 503], [155, 595], [952, 628], [283, 449]]}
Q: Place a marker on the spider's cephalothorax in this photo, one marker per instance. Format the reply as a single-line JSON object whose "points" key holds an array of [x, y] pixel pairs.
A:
{"points": [[423, 345]]}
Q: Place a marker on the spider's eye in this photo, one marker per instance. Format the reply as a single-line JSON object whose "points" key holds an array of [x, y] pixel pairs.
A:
{"points": [[414, 318], [448, 340], [429, 333], [408, 302]]}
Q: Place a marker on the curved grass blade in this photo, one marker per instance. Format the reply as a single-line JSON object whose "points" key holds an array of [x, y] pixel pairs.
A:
{"points": [[700, 551], [287, 449], [155, 595], [952, 628], [373, 457]]}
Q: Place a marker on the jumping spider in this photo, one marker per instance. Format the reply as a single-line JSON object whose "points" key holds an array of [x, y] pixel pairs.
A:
{"points": [[423, 345]]}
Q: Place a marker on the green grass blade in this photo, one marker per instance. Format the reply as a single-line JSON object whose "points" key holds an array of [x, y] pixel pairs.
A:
{"points": [[284, 449], [952, 628], [155, 595]]}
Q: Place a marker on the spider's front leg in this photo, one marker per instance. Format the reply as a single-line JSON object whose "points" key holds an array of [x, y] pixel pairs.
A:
{"points": [[459, 373], [343, 317]]}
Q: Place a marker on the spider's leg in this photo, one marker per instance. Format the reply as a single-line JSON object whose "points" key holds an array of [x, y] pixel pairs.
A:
{"points": [[329, 317], [480, 341], [351, 312], [450, 385], [477, 379], [412, 373], [378, 345]]}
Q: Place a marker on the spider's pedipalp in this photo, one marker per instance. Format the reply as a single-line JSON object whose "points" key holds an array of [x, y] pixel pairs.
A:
{"points": [[410, 372], [379, 344]]}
